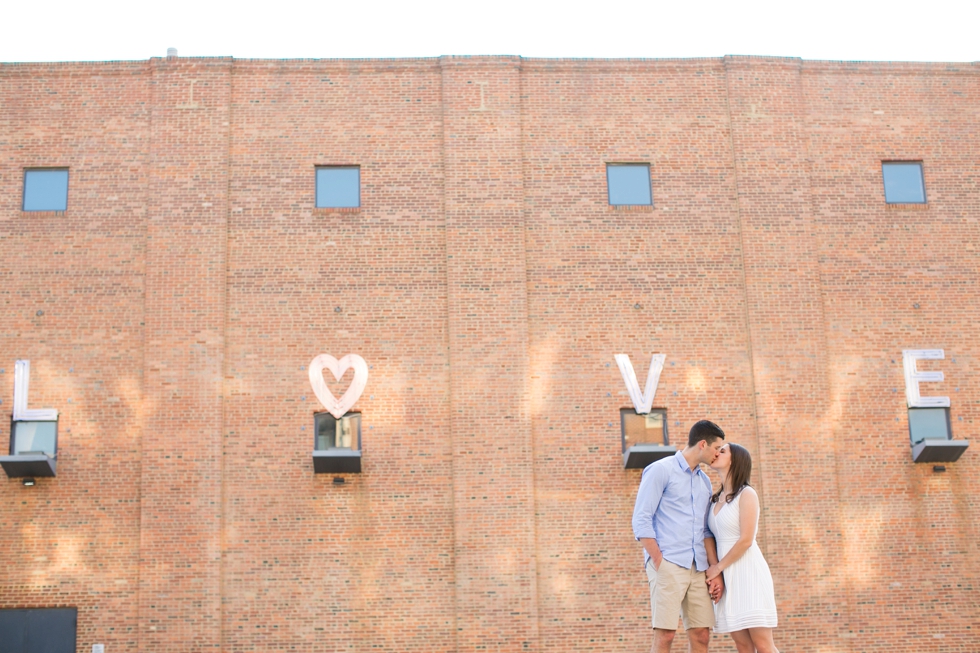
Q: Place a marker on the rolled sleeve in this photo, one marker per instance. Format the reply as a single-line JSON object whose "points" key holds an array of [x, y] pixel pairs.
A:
{"points": [[707, 530], [648, 497]]}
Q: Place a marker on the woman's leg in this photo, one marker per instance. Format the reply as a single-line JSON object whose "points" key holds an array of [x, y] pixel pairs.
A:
{"points": [[762, 640], [743, 641]]}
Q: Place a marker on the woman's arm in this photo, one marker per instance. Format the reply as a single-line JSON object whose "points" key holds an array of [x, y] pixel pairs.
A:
{"points": [[748, 517]]}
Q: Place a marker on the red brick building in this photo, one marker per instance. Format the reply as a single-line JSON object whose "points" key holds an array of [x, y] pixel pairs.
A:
{"points": [[170, 313]]}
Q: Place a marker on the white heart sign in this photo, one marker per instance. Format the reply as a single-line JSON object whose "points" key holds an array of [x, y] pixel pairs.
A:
{"points": [[338, 407]]}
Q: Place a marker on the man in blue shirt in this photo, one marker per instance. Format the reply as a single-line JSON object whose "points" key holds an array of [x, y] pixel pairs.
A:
{"points": [[670, 520]]}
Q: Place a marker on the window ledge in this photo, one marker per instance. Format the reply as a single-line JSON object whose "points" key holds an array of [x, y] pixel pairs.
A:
{"points": [[28, 465], [336, 461], [938, 451], [323, 210], [631, 207], [43, 214], [640, 455], [917, 206]]}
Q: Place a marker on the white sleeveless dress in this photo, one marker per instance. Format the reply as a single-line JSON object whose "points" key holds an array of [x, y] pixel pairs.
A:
{"points": [[749, 599]]}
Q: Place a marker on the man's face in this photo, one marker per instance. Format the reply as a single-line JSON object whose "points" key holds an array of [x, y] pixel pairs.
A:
{"points": [[710, 451]]}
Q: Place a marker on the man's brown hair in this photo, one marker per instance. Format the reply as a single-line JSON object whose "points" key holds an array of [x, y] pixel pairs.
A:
{"points": [[704, 430]]}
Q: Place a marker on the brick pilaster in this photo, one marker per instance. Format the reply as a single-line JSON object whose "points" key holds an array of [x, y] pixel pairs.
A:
{"points": [[487, 296], [789, 348], [180, 532]]}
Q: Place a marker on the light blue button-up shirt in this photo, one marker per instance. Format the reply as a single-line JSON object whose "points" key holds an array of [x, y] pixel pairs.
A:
{"points": [[672, 508]]}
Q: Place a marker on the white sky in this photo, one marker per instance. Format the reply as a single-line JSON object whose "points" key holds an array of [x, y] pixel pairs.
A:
{"points": [[899, 30]]}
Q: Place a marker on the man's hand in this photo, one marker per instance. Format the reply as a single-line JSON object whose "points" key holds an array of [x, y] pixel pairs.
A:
{"points": [[716, 587], [656, 555]]}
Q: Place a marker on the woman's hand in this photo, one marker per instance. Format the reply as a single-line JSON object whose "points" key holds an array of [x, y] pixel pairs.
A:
{"points": [[713, 572], [716, 588]]}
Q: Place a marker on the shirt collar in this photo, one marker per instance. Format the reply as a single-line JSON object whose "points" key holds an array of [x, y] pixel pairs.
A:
{"points": [[682, 463]]}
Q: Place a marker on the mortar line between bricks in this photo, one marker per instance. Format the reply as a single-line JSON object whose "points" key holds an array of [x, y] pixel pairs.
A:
{"points": [[147, 163], [449, 359], [532, 449], [222, 538]]}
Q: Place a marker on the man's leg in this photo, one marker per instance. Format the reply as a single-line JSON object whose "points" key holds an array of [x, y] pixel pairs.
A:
{"points": [[699, 612], [667, 587], [662, 639]]}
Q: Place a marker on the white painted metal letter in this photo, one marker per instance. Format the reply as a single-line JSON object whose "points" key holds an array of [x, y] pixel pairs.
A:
{"points": [[22, 382], [913, 377], [641, 402], [338, 407]]}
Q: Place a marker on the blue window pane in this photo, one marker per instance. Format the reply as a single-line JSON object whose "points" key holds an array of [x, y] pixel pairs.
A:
{"points": [[928, 424], [34, 437], [338, 188], [903, 183], [46, 190], [629, 184]]}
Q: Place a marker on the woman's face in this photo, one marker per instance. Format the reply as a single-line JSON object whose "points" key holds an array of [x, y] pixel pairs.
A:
{"points": [[724, 459]]}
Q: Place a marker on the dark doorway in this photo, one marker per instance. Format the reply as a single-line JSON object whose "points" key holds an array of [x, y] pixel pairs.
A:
{"points": [[44, 630]]}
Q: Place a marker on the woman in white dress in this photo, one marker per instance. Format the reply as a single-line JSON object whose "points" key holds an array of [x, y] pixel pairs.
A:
{"points": [[747, 608]]}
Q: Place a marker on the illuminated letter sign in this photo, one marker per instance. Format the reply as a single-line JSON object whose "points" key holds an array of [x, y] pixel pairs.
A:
{"points": [[641, 402], [914, 377], [338, 407], [22, 382]]}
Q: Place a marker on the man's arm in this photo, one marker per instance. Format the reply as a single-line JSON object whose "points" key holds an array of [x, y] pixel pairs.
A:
{"points": [[648, 497], [716, 585], [653, 549], [711, 550]]}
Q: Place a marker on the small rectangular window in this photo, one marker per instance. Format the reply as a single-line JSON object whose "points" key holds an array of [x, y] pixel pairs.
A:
{"points": [[629, 184], [650, 428], [929, 424], [904, 183], [34, 438], [333, 433], [46, 189], [338, 187]]}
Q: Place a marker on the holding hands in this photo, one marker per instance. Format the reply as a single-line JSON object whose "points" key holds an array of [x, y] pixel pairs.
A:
{"points": [[716, 583]]}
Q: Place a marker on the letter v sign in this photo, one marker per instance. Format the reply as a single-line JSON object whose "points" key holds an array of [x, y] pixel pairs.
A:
{"points": [[641, 402]]}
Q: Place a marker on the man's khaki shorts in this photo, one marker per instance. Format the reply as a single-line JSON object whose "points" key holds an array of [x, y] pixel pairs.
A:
{"points": [[675, 591]]}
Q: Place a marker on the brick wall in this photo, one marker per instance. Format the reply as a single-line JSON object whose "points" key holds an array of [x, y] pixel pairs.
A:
{"points": [[72, 292], [171, 311]]}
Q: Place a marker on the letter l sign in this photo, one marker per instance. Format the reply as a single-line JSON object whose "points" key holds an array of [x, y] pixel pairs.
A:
{"points": [[22, 380]]}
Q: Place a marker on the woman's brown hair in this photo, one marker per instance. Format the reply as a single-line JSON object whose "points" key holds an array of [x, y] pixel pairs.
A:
{"points": [[738, 474]]}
